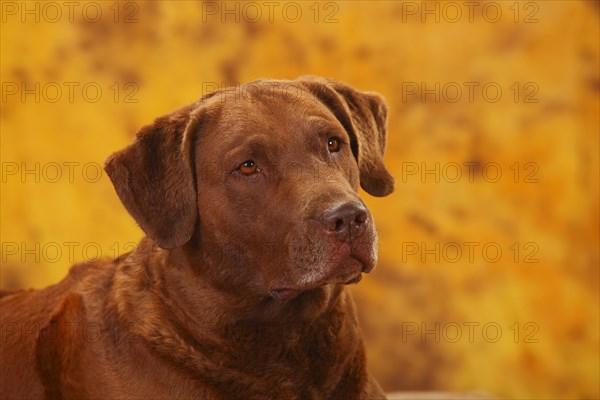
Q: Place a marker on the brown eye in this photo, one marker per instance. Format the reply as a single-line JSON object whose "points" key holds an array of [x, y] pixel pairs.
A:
{"points": [[248, 167], [333, 144]]}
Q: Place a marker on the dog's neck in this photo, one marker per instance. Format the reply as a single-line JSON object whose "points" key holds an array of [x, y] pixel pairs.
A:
{"points": [[177, 324], [177, 285]]}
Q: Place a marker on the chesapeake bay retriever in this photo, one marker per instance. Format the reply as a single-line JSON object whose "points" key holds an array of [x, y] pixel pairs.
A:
{"points": [[254, 226]]}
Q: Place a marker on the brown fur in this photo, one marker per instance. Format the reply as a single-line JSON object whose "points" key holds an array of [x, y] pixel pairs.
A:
{"points": [[238, 292]]}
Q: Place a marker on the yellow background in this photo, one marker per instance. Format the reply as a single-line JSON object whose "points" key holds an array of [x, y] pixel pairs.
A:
{"points": [[412, 306]]}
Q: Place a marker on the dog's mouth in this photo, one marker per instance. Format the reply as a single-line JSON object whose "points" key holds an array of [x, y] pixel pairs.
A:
{"points": [[284, 294], [288, 293], [344, 266]]}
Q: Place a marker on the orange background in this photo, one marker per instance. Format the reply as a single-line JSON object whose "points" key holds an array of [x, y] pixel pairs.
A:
{"points": [[443, 310]]}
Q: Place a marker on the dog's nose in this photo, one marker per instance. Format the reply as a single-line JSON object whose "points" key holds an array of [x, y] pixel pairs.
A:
{"points": [[346, 220]]}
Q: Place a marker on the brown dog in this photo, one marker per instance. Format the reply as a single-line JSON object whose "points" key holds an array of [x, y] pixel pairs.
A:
{"points": [[249, 201]]}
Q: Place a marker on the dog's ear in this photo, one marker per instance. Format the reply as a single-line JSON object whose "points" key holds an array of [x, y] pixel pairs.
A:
{"points": [[364, 116], [154, 178]]}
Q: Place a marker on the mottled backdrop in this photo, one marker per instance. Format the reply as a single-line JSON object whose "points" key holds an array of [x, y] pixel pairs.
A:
{"points": [[489, 270]]}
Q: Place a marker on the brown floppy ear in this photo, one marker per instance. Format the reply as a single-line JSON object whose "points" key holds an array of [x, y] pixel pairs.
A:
{"points": [[154, 178], [364, 116]]}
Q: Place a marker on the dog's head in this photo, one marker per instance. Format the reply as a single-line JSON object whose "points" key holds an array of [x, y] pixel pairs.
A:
{"points": [[260, 184]]}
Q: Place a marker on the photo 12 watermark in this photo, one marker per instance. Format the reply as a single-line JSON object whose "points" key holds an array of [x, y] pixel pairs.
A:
{"points": [[453, 12], [469, 91], [469, 252], [469, 172], [469, 332], [51, 172], [52, 12], [69, 92], [326, 12], [66, 253]]}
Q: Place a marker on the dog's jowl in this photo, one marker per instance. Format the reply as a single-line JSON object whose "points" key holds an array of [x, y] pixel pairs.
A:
{"points": [[254, 228]]}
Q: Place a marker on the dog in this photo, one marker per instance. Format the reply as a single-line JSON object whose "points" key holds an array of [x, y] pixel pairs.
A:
{"points": [[254, 228]]}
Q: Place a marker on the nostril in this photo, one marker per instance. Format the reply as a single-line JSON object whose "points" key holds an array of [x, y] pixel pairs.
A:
{"points": [[360, 218], [339, 225]]}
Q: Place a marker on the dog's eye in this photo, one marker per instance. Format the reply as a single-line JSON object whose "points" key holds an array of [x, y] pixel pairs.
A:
{"points": [[333, 144], [248, 167]]}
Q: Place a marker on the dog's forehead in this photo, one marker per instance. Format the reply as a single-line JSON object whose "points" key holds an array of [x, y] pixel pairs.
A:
{"points": [[272, 95], [278, 110]]}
